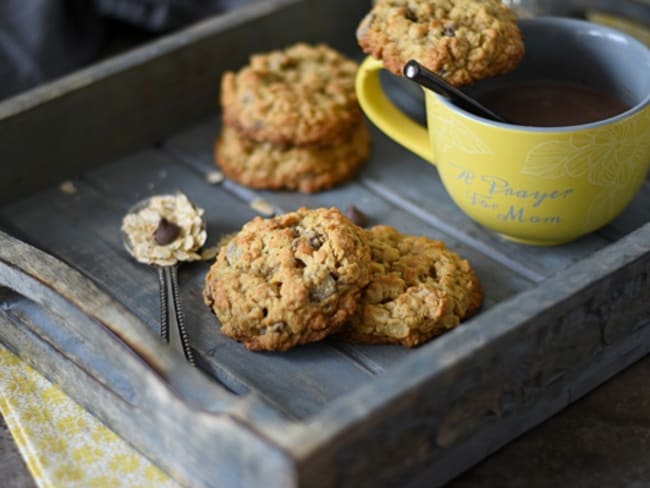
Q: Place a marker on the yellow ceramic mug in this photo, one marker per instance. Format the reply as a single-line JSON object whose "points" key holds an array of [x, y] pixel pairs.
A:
{"points": [[536, 185]]}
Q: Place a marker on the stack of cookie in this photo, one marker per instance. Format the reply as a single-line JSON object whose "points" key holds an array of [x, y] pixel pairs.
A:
{"points": [[291, 120], [299, 277]]}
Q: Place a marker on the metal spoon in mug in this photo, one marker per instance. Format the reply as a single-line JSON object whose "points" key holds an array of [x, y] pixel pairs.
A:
{"points": [[172, 325], [416, 72]]}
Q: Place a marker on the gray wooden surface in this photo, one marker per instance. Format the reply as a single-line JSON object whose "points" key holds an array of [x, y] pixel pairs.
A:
{"points": [[556, 321], [92, 214], [312, 380]]}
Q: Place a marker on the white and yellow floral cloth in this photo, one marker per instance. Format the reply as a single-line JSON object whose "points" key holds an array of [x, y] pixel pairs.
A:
{"points": [[62, 444]]}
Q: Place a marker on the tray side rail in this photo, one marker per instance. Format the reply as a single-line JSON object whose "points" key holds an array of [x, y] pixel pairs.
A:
{"points": [[452, 404]]}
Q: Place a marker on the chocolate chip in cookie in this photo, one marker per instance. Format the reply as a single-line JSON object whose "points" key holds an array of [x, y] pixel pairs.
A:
{"points": [[288, 280]]}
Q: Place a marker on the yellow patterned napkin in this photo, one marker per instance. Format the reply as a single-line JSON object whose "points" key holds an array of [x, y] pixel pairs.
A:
{"points": [[62, 444]]}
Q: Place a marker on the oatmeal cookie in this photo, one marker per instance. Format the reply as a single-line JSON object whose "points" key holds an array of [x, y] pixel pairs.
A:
{"points": [[289, 280], [305, 168], [461, 40], [301, 95], [418, 289]]}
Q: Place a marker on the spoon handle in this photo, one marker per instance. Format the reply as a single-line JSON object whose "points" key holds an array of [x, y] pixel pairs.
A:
{"points": [[172, 325], [428, 79]]}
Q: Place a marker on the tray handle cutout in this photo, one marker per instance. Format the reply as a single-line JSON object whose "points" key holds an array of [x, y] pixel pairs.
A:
{"points": [[97, 317]]}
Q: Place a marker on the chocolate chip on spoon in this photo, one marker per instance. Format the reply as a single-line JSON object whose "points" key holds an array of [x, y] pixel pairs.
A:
{"points": [[356, 216], [167, 232]]}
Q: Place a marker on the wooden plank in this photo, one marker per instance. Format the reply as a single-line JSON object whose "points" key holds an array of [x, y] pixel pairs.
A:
{"points": [[84, 230], [111, 347], [125, 182], [393, 406], [17, 308], [114, 344], [128, 102], [112, 181]]}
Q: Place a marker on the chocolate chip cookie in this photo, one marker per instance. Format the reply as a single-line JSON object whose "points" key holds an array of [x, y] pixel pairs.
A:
{"points": [[300, 95], [289, 280], [418, 289], [304, 168], [461, 40]]}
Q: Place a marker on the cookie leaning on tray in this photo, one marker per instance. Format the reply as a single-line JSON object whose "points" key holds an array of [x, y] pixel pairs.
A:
{"points": [[461, 40], [417, 290], [302, 276], [292, 120]]}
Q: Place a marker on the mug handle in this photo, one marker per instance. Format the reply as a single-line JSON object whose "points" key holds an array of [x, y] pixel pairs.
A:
{"points": [[385, 115]]}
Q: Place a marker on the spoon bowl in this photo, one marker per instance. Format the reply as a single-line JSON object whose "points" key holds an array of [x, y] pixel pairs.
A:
{"points": [[172, 325]]}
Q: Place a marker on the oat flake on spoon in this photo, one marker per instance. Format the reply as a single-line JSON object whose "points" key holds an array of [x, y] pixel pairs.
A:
{"points": [[149, 225], [164, 231]]}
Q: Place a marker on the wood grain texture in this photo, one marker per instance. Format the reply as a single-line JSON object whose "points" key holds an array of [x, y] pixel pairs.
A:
{"points": [[294, 382], [601, 440], [556, 322], [561, 338]]}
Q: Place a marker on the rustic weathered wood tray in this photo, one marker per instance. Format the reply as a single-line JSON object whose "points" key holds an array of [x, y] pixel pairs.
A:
{"points": [[556, 321]]}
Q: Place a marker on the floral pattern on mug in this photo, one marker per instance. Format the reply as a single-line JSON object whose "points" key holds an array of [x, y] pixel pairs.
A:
{"points": [[608, 156], [454, 133]]}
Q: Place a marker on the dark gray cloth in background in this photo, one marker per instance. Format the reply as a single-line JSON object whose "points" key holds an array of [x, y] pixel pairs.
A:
{"points": [[162, 15], [43, 39]]}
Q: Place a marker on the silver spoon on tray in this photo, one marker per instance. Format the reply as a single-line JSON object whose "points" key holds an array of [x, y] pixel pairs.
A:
{"points": [[163, 231]]}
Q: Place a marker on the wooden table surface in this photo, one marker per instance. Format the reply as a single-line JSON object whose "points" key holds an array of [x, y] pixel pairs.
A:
{"points": [[601, 440]]}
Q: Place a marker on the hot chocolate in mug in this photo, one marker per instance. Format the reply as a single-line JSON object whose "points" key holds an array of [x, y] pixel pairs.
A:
{"points": [[536, 184]]}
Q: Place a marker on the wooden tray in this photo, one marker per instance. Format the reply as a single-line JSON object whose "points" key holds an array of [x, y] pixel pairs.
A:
{"points": [[556, 321]]}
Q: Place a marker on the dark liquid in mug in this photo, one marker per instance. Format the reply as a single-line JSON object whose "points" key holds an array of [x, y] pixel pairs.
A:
{"points": [[551, 103]]}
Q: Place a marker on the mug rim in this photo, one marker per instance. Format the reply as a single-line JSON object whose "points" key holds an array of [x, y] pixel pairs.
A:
{"points": [[561, 128]]}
